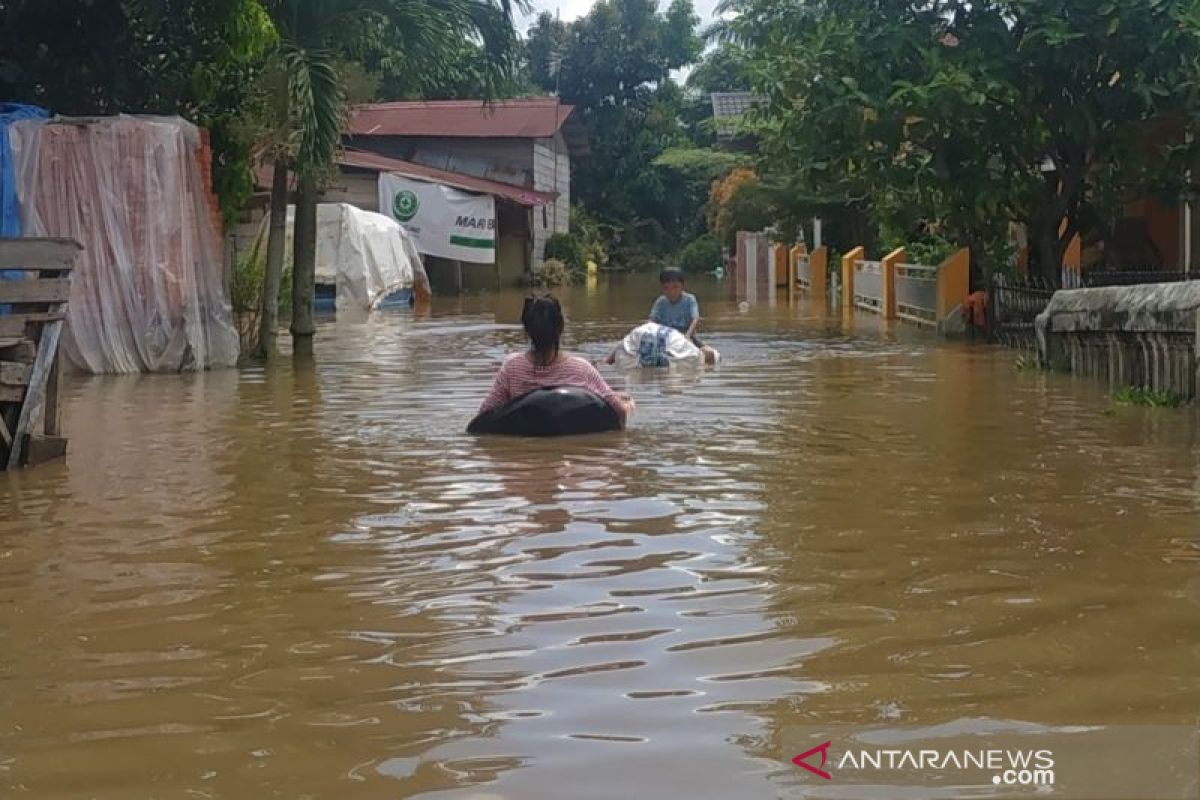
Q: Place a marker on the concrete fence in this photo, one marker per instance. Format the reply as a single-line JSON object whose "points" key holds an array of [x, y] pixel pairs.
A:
{"points": [[809, 272], [896, 289], [1143, 336]]}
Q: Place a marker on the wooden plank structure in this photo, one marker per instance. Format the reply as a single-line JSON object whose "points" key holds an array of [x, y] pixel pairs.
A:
{"points": [[30, 330]]}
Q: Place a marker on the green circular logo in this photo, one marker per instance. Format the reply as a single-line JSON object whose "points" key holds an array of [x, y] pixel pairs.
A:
{"points": [[405, 205]]}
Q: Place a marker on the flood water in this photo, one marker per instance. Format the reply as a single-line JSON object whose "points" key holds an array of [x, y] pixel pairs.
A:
{"points": [[311, 583]]}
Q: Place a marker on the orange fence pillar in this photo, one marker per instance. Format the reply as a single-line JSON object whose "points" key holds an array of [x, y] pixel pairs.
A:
{"points": [[888, 281], [954, 283], [782, 259], [857, 254], [818, 266]]}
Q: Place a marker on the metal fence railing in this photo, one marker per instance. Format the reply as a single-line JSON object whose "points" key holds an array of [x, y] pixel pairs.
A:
{"points": [[1015, 304], [804, 272], [917, 293], [868, 285]]}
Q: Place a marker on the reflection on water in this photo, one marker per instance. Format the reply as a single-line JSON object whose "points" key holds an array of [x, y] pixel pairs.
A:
{"points": [[310, 583]]}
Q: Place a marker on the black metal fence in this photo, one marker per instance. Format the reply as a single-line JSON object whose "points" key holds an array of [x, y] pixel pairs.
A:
{"points": [[1014, 305]]}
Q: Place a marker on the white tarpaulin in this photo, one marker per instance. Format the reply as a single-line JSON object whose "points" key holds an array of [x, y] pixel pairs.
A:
{"points": [[147, 293], [444, 222], [654, 345], [367, 256]]}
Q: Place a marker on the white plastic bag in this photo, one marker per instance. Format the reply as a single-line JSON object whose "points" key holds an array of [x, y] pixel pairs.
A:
{"points": [[654, 345]]}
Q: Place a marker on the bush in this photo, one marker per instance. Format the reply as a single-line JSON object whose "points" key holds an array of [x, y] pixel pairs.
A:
{"points": [[568, 249], [586, 229], [701, 255], [554, 273], [246, 288]]}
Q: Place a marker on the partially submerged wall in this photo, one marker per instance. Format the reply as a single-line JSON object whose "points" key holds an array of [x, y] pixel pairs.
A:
{"points": [[1143, 336]]}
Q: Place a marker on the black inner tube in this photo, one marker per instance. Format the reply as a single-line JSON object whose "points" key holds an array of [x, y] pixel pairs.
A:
{"points": [[560, 411]]}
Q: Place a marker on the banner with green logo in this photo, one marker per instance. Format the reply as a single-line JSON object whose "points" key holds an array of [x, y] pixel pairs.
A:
{"points": [[443, 221]]}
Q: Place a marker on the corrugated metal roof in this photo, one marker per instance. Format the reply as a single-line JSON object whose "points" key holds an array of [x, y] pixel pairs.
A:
{"points": [[468, 183], [729, 106], [359, 159], [528, 118]]}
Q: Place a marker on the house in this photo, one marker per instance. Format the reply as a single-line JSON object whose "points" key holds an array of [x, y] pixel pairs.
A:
{"points": [[728, 109], [516, 152]]}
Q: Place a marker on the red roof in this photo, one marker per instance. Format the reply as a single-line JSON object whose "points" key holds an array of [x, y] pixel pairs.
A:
{"points": [[468, 183], [528, 118]]}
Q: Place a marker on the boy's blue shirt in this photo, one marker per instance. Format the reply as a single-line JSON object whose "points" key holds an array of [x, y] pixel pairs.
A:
{"points": [[677, 315]]}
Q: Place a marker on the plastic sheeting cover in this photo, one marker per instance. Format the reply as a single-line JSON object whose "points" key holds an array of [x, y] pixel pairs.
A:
{"points": [[148, 291], [367, 256], [10, 220], [654, 345], [10, 217]]}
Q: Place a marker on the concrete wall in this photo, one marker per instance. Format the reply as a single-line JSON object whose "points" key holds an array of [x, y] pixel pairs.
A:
{"points": [[555, 218], [1143, 336]]}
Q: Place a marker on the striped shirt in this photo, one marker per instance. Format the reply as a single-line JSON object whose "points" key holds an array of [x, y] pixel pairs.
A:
{"points": [[518, 376]]}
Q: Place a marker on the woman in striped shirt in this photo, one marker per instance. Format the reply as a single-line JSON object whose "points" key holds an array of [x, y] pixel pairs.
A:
{"points": [[546, 366]]}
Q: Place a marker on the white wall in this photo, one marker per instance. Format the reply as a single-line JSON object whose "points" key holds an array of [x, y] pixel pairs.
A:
{"points": [[557, 217]]}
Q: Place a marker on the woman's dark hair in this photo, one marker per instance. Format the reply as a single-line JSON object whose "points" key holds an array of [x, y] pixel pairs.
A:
{"points": [[543, 321]]}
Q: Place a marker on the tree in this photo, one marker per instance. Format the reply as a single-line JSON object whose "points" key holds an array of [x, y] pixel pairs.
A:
{"points": [[614, 65], [198, 59], [976, 114], [724, 68], [317, 38]]}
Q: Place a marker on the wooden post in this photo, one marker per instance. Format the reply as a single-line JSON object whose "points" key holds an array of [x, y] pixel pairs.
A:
{"points": [[35, 395], [888, 281], [857, 254], [53, 423], [32, 390]]}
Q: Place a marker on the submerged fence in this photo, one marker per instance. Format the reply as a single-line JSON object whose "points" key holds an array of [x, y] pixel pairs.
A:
{"points": [[892, 287], [1143, 335], [1015, 304]]}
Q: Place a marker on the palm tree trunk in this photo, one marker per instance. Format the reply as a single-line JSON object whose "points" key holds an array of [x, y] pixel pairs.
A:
{"points": [[304, 267], [276, 246]]}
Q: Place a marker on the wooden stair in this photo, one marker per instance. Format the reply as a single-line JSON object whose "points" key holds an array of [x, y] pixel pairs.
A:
{"points": [[30, 375]]}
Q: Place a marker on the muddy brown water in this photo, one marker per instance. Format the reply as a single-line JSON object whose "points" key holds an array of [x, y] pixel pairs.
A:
{"points": [[311, 583]]}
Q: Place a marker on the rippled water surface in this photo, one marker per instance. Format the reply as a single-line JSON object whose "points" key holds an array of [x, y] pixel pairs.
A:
{"points": [[311, 583]]}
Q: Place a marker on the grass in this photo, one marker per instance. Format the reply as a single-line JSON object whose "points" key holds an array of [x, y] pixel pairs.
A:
{"points": [[1148, 398], [1030, 363], [1027, 363]]}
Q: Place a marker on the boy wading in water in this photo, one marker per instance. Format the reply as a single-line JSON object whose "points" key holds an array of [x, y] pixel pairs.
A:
{"points": [[678, 309]]}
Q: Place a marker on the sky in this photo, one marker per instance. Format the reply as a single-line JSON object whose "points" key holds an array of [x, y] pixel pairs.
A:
{"points": [[570, 9]]}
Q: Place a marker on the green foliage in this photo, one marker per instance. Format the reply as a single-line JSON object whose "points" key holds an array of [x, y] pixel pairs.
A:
{"points": [[700, 163], [198, 59], [246, 289], [975, 114], [613, 65], [1027, 363], [569, 249], [553, 274], [585, 227], [1149, 398], [725, 68], [701, 255]]}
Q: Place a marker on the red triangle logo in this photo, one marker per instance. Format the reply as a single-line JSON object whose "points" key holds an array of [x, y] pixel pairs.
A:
{"points": [[801, 760]]}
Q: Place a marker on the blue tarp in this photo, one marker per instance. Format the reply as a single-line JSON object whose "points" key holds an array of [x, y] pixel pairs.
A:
{"points": [[10, 213]]}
